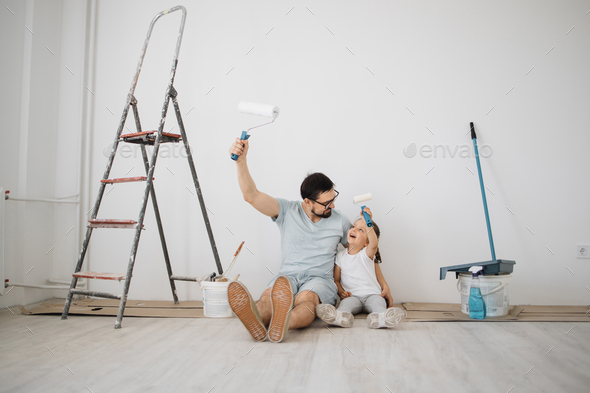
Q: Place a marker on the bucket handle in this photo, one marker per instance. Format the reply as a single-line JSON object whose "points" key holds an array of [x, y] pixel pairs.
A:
{"points": [[490, 292]]}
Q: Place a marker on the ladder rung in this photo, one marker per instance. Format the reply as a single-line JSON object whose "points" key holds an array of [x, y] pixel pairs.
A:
{"points": [[154, 132], [97, 294], [183, 278], [111, 223], [148, 137], [126, 179], [100, 276]]}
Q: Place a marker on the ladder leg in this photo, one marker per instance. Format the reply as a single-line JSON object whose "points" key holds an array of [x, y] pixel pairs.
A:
{"points": [[148, 187], [133, 252], [132, 256], [155, 204], [66, 310], [196, 181], [101, 189], [160, 229]]}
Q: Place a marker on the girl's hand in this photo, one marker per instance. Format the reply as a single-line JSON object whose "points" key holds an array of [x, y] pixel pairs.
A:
{"points": [[386, 293], [368, 211], [344, 294]]}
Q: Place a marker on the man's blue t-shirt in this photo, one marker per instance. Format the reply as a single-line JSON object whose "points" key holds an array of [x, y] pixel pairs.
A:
{"points": [[307, 246]]}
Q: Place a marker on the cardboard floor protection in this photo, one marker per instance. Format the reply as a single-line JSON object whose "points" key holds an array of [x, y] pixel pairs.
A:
{"points": [[445, 312], [110, 307], [417, 312]]}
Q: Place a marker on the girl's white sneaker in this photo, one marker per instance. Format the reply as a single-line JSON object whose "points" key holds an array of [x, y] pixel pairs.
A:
{"points": [[386, 319], [329, 314]]}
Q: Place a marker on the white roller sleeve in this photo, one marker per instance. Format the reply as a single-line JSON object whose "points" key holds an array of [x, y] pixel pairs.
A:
{"points": [[362, 198], [259, 109]]}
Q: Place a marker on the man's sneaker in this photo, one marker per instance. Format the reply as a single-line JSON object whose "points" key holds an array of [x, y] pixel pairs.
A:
{"points": [[387, 319], [244, 307], [281, 301], [329, 314]]}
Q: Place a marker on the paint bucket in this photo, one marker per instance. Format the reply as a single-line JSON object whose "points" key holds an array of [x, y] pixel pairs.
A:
{"points": [[494, 290], [215, 302]]}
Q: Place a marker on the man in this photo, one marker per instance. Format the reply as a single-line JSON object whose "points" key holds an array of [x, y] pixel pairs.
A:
{"points": [[310, 233]]}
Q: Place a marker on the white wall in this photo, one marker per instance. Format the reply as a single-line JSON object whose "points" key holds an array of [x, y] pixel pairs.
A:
{"points": [[331, 67], [357, 83], [13, 45], [42, 68]]}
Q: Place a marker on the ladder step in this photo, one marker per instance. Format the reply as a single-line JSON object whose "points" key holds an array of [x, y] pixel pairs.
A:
{"points": [[100, 276], [111, 223], [149, 137], [126, 179], [184, 278], [96, 294]]}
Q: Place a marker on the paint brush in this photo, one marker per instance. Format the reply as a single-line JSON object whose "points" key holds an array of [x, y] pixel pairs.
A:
{"points": [[222, 277]]}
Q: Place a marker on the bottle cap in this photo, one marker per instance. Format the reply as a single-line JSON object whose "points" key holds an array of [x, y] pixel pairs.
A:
{"points": [[475, 270]]}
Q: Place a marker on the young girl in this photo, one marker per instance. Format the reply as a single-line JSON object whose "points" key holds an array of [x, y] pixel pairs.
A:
{"points": [[360, 283]]}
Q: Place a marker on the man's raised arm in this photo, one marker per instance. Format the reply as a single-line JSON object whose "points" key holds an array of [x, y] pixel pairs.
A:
{"points": [[262, 202]]}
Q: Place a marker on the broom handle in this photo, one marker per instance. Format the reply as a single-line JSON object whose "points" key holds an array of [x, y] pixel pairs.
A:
{"points": [[483, 192]]}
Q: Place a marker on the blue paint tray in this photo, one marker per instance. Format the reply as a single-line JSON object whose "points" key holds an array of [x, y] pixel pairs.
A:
{"points": [[489, 268]]}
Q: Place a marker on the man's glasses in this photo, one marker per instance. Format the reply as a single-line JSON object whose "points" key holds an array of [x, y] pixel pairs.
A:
{"points": [[326, 205]]}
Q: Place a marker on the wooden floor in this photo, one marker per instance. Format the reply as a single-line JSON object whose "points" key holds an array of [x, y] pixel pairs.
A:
{"points": [[86, 354]]}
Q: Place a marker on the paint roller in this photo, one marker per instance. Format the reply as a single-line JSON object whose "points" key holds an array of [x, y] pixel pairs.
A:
{"points": [[363, 198], [258, 110]]}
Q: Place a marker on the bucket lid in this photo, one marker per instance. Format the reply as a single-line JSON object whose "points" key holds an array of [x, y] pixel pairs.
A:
{"points": [[489, 267]]}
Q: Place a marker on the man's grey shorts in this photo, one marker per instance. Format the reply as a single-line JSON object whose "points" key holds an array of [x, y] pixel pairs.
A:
{"points": [[324, 287]]}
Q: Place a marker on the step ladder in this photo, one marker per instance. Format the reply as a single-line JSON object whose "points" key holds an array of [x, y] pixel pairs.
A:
{"points": [[142, 138]]}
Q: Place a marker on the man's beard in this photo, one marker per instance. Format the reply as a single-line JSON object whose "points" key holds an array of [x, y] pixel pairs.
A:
{"points": [[324, 214]]}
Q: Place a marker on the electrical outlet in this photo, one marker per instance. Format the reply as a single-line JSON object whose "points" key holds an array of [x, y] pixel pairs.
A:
{"points": [[583, 251]]}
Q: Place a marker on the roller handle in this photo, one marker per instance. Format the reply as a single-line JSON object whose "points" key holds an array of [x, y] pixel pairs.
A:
{"points": [[367, 217], [244, 136]]}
